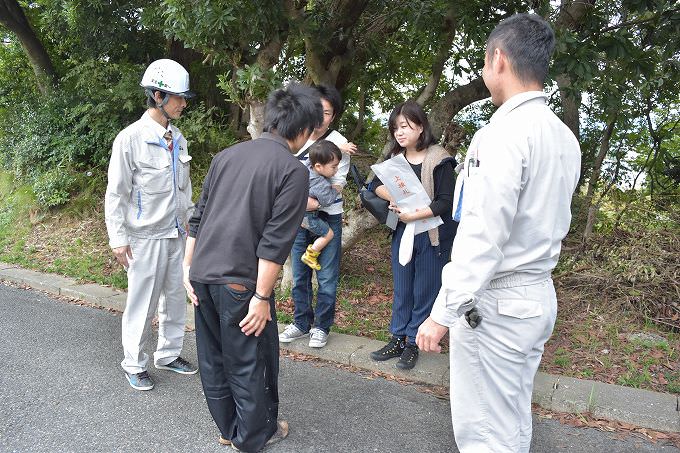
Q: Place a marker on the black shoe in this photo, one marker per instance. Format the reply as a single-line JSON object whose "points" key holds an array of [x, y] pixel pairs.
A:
{"points": [[408, 358], [179, 365], [392, 349]]}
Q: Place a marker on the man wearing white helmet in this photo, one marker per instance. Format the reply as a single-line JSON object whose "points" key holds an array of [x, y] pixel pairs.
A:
{"points": [[147, 207]]}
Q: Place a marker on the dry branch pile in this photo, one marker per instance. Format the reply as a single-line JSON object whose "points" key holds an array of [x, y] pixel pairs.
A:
{"points": [[638, 271]]}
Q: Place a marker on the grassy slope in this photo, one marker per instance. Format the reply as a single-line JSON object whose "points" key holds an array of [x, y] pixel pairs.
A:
{"points": [[591, 339]]}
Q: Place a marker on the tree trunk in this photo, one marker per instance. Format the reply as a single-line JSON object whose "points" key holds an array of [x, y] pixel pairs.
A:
{"points": [[235, 112], [571, 17], [453, 102], [361, 111], [256, 119], [13, 17], [595, 178], [443, 54], [286, 275], [329, 48], [358, 221], [571, 102]]}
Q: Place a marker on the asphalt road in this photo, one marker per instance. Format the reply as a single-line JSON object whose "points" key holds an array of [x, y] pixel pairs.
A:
{"points": [[62, 390]]}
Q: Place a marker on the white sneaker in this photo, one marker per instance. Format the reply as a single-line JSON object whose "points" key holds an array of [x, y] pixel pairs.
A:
{"points": [[317, 338], [290, 333]]}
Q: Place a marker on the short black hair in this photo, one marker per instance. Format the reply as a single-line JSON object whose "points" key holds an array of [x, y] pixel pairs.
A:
{"points": [[332, 95], [413, 113], [324, 152], [528, 41], [150, 101], [292, 110]]}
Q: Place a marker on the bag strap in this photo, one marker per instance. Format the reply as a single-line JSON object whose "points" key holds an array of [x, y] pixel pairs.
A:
{"points": [[356, 176], [304, 153]]}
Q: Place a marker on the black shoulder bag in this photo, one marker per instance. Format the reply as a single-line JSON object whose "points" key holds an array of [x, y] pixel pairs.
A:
{"points": [[369, 200]]}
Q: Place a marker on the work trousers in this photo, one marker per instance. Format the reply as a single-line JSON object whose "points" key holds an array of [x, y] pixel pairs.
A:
{"points": [[493, 366], [417, 284], [239, 373], [154, 282]]}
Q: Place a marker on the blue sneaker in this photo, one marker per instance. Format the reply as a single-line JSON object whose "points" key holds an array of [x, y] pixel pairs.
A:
{"points": [[139, 381], [179, 365]]}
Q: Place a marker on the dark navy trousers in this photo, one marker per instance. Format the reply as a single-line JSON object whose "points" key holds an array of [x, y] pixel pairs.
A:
{"points": [[239, 373], [417, 284]]}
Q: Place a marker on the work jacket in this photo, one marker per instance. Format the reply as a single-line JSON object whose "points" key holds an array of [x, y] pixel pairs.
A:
{"points": [[519, 176], [149, 191]]}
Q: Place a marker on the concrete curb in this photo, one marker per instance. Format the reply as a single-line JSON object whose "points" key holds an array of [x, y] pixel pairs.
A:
{"points": [[658, 411]]}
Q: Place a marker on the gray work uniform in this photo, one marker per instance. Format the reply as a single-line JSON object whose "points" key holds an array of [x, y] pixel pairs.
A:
{"points": [[520, 173], [147, 206]]}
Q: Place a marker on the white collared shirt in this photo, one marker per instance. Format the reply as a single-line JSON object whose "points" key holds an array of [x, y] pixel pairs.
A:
{"points": [[521, 171]]}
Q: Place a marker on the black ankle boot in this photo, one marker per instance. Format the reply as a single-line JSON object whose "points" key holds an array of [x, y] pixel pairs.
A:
{"points": [[408, 358], [392, 349]]}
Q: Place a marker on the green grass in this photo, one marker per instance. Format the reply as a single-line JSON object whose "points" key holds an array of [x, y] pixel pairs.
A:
{"points": [[635, 377], [284, 318], [673, 379], [562, 358], [283, 294], [649, 344], [612, 332], [16, 204], [87, 268], [78, 257], [587, 374]]}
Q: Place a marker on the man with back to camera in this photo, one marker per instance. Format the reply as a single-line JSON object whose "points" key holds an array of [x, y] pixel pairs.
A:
{"points": [[253, 201], [497, 296], [147, 206]]}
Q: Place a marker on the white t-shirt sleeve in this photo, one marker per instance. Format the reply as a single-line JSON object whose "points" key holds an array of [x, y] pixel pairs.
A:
{"points": [[340, 178]]}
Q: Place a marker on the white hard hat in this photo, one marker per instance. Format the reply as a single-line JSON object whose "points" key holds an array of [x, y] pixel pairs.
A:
{"points": [[167, 76]]}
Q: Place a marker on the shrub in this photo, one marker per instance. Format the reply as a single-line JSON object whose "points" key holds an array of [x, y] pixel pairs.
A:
{"points": [[74, 127], [53, 187]]}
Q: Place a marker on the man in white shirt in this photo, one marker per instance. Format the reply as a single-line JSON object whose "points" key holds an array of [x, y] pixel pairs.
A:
{"points": [[497, 298], [314, 322], [148, 204]]}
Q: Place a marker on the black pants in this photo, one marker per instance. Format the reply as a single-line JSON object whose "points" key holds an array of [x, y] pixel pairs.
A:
{"points": [[239, 373]]}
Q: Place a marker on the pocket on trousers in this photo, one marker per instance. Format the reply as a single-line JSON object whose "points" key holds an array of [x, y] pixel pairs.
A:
{"points": [[238, 293], [520, 308]]}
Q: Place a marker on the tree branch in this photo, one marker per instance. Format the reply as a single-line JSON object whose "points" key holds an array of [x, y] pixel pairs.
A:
{"points": [[628, 23], [451, 103], [361, 107], [588, 205], [13, 18], [441, 58]]}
